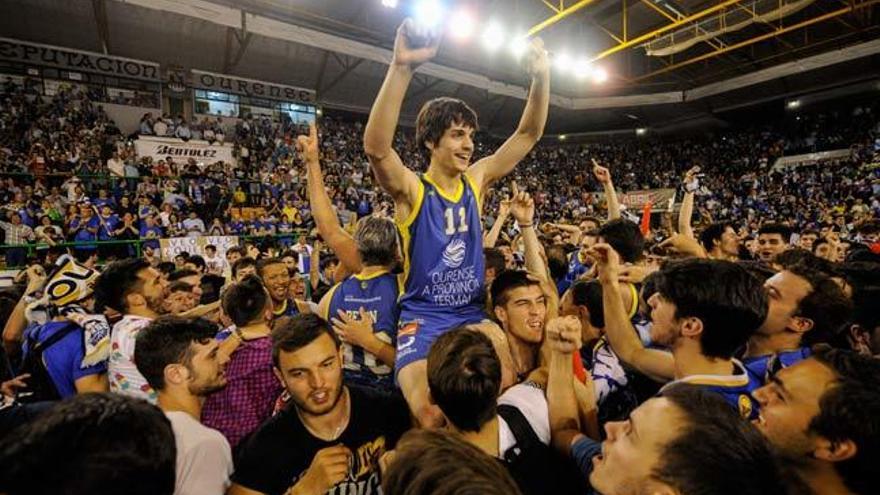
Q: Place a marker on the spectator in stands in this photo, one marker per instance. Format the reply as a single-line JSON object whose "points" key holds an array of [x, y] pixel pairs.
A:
{"points": [[180, 359], [277, 280], [772, 240], [17, 234]]}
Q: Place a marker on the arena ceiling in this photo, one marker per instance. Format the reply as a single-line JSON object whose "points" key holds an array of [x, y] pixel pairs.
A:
{"points": [[707, 56]]}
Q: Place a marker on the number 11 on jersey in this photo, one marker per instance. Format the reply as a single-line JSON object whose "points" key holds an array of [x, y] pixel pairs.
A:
{"points": [[450, 221]]}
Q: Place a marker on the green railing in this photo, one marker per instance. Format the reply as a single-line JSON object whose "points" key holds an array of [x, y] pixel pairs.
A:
{"points": [[32, 248]]}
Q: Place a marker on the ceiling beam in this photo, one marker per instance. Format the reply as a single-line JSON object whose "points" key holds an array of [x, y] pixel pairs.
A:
{"points": [[99, 9], [560, 15]]}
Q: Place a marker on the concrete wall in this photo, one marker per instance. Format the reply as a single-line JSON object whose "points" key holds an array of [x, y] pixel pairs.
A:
{"points": [[127, 117]]}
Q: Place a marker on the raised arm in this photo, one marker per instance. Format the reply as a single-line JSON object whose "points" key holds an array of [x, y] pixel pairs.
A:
{"points": [[503, 211], [400, 182], [339, 241], [686, 213], [621, 334], [522, 207], [604, 177], [17, 322], [531, 124]]}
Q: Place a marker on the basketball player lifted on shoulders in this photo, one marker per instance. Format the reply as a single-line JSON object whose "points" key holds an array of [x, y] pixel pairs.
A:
{"points": [[438, 212]]}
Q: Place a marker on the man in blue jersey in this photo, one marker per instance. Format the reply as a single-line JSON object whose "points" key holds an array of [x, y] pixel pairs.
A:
{"points": [[363, 308], [703, 311], [807, 307], [438, 212]]}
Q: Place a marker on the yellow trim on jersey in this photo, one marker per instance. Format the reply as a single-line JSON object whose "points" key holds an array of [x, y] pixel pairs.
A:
{"points": [[403, 228], [476, 190], [278, 312], [370, 277], [329, 296], [635, 301], [456, 196], [738, 380]]}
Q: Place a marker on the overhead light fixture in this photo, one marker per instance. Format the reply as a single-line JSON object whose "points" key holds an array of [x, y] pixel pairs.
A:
{"points": [[562, 62], [319, 112], [389, 3], [583, 68], [493, 36], [563, 137], [600, 75], [428, 13], [641, 131], [792, 104], [519, 45], [462, 24]]}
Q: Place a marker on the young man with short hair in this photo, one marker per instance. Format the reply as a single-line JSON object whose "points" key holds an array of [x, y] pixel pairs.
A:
{"points": [[331, 436], [806, 307], [773, 238], [720, 242], [137, 291], [180, 359], [277, 280], [823, 417], [439, 211], [703, 311]]}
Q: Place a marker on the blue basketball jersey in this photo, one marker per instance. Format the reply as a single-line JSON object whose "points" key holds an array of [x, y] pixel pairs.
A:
{"points": [[443, 257], [377, 294], [757, 366], [736, 389]]}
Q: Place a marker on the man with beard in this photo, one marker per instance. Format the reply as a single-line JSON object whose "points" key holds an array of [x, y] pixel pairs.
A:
{"points": [[276, 278], [134, 289], [823, 416], [180, 359], [332, 435]]}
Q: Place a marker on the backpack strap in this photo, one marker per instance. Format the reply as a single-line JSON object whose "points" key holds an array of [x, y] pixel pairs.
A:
{"points": [[522, 431], [40, 347]]}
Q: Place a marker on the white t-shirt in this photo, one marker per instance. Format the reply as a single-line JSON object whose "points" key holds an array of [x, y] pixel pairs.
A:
{"points": [[530, 401], [204, 459], [124, 376]]}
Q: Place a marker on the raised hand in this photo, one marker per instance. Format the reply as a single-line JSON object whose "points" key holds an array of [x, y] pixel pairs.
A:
{"points": [[536, 59], [564, 334], [308, 146], [601, 173], [607, 262], [329, 466], [356, 331], [522, 206], [406, 52]]}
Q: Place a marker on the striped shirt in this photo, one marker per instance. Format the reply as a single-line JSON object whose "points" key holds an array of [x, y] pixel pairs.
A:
{"points": [[17, 234]]}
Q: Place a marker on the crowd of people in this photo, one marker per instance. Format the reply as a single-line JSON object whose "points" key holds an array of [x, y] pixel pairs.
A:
{"points": [[484, 324]]}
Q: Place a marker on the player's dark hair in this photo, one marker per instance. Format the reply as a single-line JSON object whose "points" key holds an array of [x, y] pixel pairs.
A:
{"points": [[245, 301], [827, 306], [625, 237], [168, 340], [267, 262], [716, 451], [376, 240], [588, 293], [182, 273], [118, 280], [464, 378], [777, 228], [437, 462], [494, 260], [292, 333], [850, 410], [439, 114], [91, 443], [198, 261], [508, 280], [727, 299], [242, 263], [711, 234]]}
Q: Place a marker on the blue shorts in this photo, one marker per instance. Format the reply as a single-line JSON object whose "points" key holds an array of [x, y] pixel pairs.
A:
{"points": [[417, 332]]}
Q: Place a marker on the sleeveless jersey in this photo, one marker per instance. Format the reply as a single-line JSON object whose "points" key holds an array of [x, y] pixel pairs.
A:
{"points": [[377, 294], [736, 389], [443, 257]]}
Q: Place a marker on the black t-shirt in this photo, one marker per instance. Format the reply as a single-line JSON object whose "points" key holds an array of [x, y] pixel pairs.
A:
{"points": [[275, 457]]}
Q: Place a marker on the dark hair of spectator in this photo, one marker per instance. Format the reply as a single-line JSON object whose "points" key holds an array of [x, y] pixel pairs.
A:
{"points": [[508, 280], [246, 301], [625, 237], [289, 334], [168, 340], [118, 280]]}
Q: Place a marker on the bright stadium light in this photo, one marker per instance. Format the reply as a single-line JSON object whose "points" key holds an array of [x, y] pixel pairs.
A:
{"points": [[493, 36], [562, 62], [583, 68], [518, 46], [792, 104], [428, 13], [389, 3], [599, 75], [462, 25], [563, 137], [641, 131]]}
